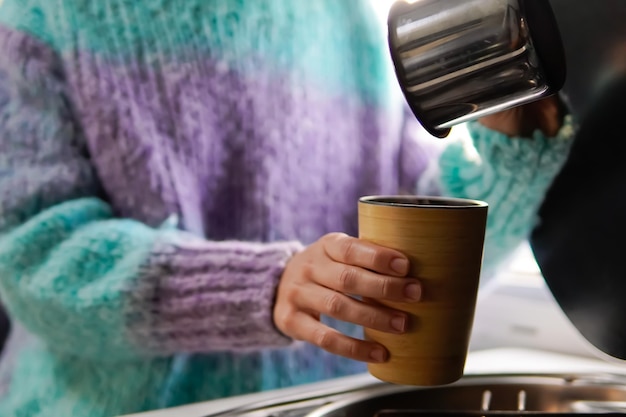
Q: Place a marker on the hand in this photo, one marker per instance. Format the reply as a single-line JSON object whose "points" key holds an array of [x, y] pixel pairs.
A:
{"points": [[545, 115], [322, 280]]}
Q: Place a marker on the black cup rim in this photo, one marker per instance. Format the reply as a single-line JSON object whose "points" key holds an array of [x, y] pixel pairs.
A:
{"points": [[413, 201]]}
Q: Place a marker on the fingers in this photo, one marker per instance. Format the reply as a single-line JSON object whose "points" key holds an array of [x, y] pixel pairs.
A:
{"points": [[547, 114], [342, 307], [319, 281], [508, 122], [318, 334], [522, 121], [350, 279], [352, 251]]}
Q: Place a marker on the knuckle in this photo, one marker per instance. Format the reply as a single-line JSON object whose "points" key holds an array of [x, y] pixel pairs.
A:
{"points": [[347, 247], [308, 269], [385, 287], [353, 349], [323, 338], [371, 320], [284, 320], [334, 304], [291, 293], [289, 321], [347, 279], [378, 259], [288, 292]]}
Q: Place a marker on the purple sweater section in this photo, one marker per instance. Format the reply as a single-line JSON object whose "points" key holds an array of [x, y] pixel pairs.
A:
{"points": [[236, 157]]}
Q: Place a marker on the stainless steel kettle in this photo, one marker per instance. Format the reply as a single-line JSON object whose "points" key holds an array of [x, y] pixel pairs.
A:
{"points": [[458, 60]]}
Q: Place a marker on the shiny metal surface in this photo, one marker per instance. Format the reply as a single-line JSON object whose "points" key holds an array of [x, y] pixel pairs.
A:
{"points": [[458, 60], [554, 394], [593, 393]]}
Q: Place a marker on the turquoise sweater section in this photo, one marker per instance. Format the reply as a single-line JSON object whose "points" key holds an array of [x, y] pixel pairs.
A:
{"points": [[146, 27], [511, 174], [89, 311]]}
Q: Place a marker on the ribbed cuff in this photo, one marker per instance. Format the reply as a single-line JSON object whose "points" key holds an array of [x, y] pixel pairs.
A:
{"points": [[511, 174], [202, 296]]}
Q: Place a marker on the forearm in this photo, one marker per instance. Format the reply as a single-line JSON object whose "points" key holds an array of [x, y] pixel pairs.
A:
{"points": [[98, 286]]}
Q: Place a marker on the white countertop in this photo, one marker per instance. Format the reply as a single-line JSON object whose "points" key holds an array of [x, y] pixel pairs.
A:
{"points": [[492, 361]]}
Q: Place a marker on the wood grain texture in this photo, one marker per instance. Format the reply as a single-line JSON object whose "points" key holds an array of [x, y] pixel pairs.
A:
{"points": [[443, 239]]}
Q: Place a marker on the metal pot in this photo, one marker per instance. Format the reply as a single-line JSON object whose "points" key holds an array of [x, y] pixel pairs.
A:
{"points": [[458, 60]]}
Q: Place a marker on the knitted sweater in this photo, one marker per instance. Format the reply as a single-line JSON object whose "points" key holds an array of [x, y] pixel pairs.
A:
{"points": [[160, 162]]}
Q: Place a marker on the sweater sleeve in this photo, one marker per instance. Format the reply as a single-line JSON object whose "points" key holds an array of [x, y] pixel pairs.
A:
{"points": [[94, 285], [511, 174]]}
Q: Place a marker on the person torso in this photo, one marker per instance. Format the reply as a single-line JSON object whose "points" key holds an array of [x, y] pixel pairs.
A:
{"points": [[248, 120]]}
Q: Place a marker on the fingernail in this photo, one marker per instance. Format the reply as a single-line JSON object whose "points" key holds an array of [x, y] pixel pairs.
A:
{"points": [[413, 292], [398, 323], [400, 265], [378, 355]]}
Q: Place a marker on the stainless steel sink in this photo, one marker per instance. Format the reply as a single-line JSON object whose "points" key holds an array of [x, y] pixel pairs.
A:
{"points": [[519, 393], [579, 394]]}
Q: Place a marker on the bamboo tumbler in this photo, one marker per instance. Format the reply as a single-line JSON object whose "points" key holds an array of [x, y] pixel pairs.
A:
{"points": [[443, 239]]}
